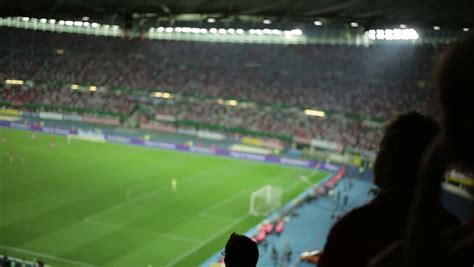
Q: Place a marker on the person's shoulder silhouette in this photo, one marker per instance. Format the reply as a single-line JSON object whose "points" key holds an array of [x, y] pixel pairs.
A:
{"points": [[363, 232], [240, 251]]}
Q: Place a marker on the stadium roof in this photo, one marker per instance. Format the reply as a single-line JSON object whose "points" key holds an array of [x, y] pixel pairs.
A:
{"points": [[368, 13]]}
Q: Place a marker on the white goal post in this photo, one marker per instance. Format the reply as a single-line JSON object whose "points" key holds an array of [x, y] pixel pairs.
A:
{"points": [[265, 200]]}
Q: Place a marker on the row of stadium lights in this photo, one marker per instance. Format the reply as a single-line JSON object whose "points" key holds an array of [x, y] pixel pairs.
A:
{"points": [[294, 32], [85, 23], [392, 34], [353, 24], [72, 23]]}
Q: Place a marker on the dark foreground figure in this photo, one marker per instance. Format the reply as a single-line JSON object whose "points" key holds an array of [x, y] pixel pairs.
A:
{"points": [[240, 251], [366, 231]]}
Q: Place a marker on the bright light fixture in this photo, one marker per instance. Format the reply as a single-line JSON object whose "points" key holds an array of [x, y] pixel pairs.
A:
{"points": [[232, 102], [267, 21], [15, 82], [211, 20], [162, 94], [436, 28], [392, 34], [318, 23], [312, 112], [296, 32], [354, 24]]}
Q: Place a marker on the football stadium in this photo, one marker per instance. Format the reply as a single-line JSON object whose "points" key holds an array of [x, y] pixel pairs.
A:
{"points": [[146, 133]]}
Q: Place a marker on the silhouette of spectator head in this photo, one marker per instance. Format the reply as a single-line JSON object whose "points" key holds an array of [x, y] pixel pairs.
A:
{"points": [[401, 151], [455, 85], [240, 251]]}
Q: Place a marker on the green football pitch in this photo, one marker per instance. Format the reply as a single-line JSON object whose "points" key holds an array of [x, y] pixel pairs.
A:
{"points": [[98, 204]]}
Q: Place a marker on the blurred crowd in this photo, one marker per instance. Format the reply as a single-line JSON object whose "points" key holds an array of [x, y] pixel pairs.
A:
{"points": [[374, 82], [60, 96], [289, 122]]}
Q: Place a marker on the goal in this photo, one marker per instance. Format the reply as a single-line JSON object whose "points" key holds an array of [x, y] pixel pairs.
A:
{"points": [[265, 200]]}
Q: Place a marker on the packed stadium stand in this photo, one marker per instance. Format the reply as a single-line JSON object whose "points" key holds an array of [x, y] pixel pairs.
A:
{"points": [[333, 78]]}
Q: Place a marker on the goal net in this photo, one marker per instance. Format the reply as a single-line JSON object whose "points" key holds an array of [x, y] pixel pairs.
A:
{"points": [[265, 200]]}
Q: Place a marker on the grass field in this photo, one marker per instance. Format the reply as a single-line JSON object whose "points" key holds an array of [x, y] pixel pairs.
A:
{"points": [[91, 204]]}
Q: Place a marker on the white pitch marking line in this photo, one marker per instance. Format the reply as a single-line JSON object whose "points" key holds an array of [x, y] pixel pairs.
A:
{"points": [[205, 213], [46, 256], [144, 196], [203, 243], [131, 189]]}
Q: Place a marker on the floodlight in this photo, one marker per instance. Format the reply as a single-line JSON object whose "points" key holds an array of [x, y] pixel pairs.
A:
{"points": [[318, 23], [312, 112], [296, 32], [232, 102], [276, 32], [15, 82]]}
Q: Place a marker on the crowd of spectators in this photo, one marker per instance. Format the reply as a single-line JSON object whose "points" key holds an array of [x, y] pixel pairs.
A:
{"points": [[59, 95], [289, 122], [375, 81]]}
